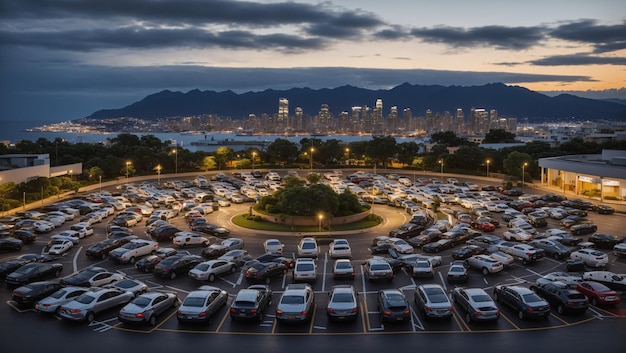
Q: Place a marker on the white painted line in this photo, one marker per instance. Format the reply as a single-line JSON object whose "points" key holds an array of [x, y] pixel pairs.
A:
{"points": [[229, 282], [324, 274], [74, 260], [485, 280], [377, 328], [597, 314], [443, 283], [415, 321], [320, 327]]}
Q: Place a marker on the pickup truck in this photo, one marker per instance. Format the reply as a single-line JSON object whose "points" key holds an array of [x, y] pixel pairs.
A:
{"points": [[522, 252]]}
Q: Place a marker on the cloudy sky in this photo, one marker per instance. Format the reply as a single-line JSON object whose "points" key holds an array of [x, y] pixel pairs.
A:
{"points": [[64, 59]]}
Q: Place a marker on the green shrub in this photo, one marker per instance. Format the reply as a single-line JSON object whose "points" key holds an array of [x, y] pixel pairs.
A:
{"points": [[258, 219]]}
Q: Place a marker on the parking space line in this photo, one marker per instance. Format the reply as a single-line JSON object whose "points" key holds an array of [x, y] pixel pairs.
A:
{"points": [[415, 318], [563, 321], [75, 259], [324, 274], [443, 283], [312, 318], [460, 321], [230, 282], [363, 317], [509, 320], [219, 327]]}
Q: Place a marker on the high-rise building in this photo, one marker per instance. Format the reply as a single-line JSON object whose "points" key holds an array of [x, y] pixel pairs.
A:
{"points": [[283, 110]]}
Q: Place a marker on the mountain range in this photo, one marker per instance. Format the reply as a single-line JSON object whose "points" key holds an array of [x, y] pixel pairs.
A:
{"points": [[508, 101]]}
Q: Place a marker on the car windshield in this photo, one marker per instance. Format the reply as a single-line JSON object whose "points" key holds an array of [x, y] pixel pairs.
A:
{"points": [[343, 265], [343, 298], [308, 245], [127, 283], [531, 298], [305, 267], [396, 300], [481, 298], [85, 299], [194, 301], [202, 267], [25, 270], [58, 294], [244, 304], [142, 301], [292, 299]]}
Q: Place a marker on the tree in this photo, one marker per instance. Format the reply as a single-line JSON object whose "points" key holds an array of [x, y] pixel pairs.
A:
{"points": [[222, 155], [282, 151], [208, 162], [407, 152], [313, 178], [448, 138], [499, 136], [381, 149], [515, 160], [95, 173]]}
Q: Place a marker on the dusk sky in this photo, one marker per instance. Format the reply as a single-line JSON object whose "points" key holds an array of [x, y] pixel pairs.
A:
{"points": [[65, 59]]}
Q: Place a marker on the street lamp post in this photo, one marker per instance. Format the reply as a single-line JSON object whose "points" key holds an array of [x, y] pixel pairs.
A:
{"points": [[441, 162], [253, 158], [319, 223], [100, 181], [127, 165], [523, 169], [311, 158], [348, 152], [175, 151], [158, 170], [488, 161]]}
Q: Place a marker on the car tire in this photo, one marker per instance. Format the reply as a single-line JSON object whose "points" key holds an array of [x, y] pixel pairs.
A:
{"points": [[131, 260], [172, 275], [211, 277], [103, 257], [556, 256], [233, 269], [594, 301], [268, 280], [524, 262], [259, 317], [485, 271], [176, 303], [90, 317], [495, 296], [560, 309], [520, 314], [152, 320], [468, 317]]}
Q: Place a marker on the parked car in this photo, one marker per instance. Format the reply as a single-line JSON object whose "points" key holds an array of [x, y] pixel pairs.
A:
{"points": [[393, 305], [609, 279], [307, 247], [561, 296], [432, 302], [264, 271], [552, 248], [273, 246], [59, 246], [146, 264], [147, 307], [485, 264], [343, 269], [517, 234], [457, 272], [378, 269], [598, 293], [133, 250], [232, 243], [209, 270], [250, 303], [33, 272], [422, 268], [564, 277], [102, 249], [184, 239], [591, 257], [176, 265], [339, 248], [605, 241], [476, 305], [305, 269], [466, 251], [343, 304], [214, 251], [87, 305], [52, 303], [91, 277], [523, 300], [439, 245], [28, 294], [199, 305], [583, 228], [619, 250], [296, 304]]}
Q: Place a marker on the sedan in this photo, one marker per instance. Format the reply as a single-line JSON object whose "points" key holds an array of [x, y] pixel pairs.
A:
{"points": [[53, 302], [518, 234], [251, 303], [214, 251], [393, 305], [102, 249], [598, 293], [476, 304], [209, 270], [273, 246], [133, 250], [296, 304], [32, 272], [29, 294], [591, 257], [146, 307], [232, 243], [91, 277], [86, 306], [432, 301], [605, 241], [265, 271], [343, 269], [130, 285], [439, 245], [183, 239], [343, 304], [176, 265], [59, 246], [523, 300], [467, 251], [552, 248], [339, 249], [457, 273], [422, 268], [147, 264], [609, 279], [583, 228], [564, 277], [559, 294], [201, 304]]}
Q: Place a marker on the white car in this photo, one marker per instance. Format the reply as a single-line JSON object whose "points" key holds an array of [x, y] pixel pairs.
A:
{"points": [[564, 277], [236, 256], [59, 246], [485, 264], [83, 228], [619, 249], [400, 245], [66, 216], [131, 251], [70, 235], [518, 234], [183, 239], [209, 270], [591, 257], [612, 280], [308, 247], [232, 243], [273, 246], [339, 248], [305, 269], [42, 227]]}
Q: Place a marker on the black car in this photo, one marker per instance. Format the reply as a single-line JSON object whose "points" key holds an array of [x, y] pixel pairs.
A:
{"points": [[419, 240], [12, 265], [439, 245], [605, 241], [552, 248], [264, 271], [467, 251], [29, 294], [174, 266], [164, 233], [250, 303], [513, 192], [570, 221], [406, 231], [214, 251], [523, 300], [380, 249], [32, 272], [583, 228], [604, 209], [81, 278], [561, 296], [272, 257], [393, 306], [211, 229], [147, 264], [10, 244], [102, 249], [24, 235]]}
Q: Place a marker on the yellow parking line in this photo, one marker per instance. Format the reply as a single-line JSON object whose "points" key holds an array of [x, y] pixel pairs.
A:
{"points": [[363, 317], [460, 321], [312, 319], [219, 327], [563, 321], [274, 326], [510, 322]]}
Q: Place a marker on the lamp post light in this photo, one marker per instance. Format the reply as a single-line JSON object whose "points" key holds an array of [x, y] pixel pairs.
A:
{"points": [[441, 162], [175, 152], [311, 158], [158, 170], [127, 165], [319, 223], [100, 182], [348, 152], [523, 169], [488, 161], [253, 158]]}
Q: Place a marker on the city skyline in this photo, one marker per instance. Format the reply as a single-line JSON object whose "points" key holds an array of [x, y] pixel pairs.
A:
{"points": [[66, 59]]}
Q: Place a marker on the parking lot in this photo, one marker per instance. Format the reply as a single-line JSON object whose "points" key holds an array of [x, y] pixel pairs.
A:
{"points": [[369, 319]]}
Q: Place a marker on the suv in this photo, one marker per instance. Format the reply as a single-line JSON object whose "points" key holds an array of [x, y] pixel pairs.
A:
{"points": [[305, 270], [560, 295], [432, 301], [308, 248]]}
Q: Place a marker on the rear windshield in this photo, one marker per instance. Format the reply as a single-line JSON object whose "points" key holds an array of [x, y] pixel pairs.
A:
{"points": [[292, 299]]}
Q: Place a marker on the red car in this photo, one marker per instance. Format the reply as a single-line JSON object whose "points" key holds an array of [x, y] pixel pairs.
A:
{"points": [[598, 293], [483, 225]]}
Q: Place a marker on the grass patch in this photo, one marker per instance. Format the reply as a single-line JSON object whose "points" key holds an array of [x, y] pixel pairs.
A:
{"points": [[441, 215], [244, 222]]}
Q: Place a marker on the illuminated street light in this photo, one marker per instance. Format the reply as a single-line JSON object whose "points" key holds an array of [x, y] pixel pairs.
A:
{"points": [[253, 157], [441, 162], [523, 168], [158, 170], [127, 165], [175, 152], [311, 158], [488, 161], [319, 224], [348, 152]]}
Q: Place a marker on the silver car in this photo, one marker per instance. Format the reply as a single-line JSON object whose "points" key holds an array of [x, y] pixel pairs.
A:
{"points": [[296, 304], [201, 304], [433, 302], [130, 285], [343, 305], [146, 307], [53, 302], [86, 306], [477, 305]]}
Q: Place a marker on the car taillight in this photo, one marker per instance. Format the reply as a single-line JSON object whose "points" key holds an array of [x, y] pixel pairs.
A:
{"points": [[74, 311], [387, 312], [304, 312], [233, 310], [202, 314], [46, 305], [478, 313], [529, 254], [330, 310], [530, 310], [354, 310], [139, 315], [253, 311], [279, 312], [428, 308], [178, 312], [407, 312]]}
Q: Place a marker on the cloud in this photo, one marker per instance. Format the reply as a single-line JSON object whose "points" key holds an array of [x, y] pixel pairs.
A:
{"points": [[500, 37], [577, 60], [604, 38]]}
